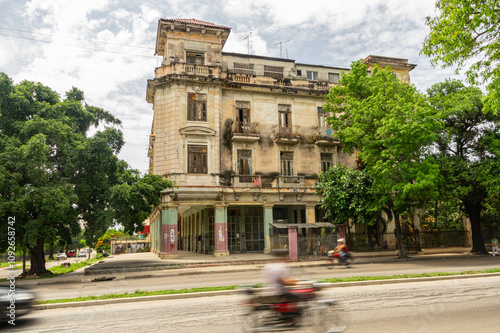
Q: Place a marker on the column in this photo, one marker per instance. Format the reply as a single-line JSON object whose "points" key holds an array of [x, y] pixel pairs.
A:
{"points": [[293, 250], [220, 231], [310, 218], [206, 236], [243, 235], [268, 219], [169, 232]]}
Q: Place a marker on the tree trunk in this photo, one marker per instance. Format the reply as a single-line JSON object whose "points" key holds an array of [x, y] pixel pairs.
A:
{"points": [[399, 236], [37, 258], [473, 210]]}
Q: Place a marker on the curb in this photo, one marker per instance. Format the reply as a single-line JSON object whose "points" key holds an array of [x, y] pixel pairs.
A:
{"points": [[231, 292]]}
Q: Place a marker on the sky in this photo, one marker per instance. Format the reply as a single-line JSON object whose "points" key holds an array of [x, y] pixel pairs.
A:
{"points": [[106, 47]]}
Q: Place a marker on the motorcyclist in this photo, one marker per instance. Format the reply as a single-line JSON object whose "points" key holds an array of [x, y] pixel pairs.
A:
{"points": [[277, 276], [341, 251]]}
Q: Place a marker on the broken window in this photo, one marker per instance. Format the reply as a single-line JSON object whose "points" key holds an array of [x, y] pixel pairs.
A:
{"points": [[197, 107], [197, 159], [286, 161], [195, 58], [326, 161], [285, 118], [243, 68], [324, 129], [273, 71], [244, 164], [242, 117]]}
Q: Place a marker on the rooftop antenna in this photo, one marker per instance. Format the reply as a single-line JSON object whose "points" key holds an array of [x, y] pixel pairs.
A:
{"points": [[248, 41], [280, 44]]}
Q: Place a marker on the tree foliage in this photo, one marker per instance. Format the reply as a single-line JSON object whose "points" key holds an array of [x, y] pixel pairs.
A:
{"points": [[53, 176], [347, 194], [390, 123], [466, 150], [464, 33]]}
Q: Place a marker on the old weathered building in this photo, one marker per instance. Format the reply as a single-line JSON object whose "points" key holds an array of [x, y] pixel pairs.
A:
{"points": [[243, 138]]}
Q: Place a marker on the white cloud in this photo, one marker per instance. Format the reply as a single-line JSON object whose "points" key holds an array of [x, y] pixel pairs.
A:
{"points": [[332, 33]]}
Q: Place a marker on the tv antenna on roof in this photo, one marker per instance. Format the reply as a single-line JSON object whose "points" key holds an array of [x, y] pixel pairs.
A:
{"points": [[280, 44], [248, 41]]}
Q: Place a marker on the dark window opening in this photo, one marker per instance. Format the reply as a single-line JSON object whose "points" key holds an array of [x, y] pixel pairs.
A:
{"points": [[197, 159], [197, 107]]}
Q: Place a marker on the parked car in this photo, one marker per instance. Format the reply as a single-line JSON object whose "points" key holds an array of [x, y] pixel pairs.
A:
{"points": [[82, 253], [23, 302], [61, 256], [72, 253]]}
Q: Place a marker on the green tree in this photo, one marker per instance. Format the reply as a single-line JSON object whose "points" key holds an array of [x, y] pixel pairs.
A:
{"points": [[465, 149], [390, 123], [134, 198], [346, 194], [53, 176], [468, 33]]}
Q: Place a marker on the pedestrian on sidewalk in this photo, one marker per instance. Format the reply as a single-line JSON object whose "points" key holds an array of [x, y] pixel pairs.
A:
{"points": [[494, 245]]}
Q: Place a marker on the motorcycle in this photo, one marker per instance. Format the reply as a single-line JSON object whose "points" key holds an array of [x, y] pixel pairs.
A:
{"points": [[304, 312], [344, 260]]}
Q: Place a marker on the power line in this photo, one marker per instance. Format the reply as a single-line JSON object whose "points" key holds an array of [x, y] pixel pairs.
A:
{"points": [[80, 47], [74, 38]]}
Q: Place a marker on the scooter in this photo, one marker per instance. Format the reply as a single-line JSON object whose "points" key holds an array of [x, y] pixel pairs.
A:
{"points": [[304, 312], [344, 259]]}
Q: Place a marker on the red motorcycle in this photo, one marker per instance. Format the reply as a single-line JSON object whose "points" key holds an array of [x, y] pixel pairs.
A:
{"points": [[303, 310]]}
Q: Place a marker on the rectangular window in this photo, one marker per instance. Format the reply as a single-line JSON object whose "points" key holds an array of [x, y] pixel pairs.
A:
{"points": [[195, 58], [244, 166], [197, 107], [285, 116], [273, 71], [324, 129], [312, 75], [333, 77], [326, 161], [299, 72], [243, 68], [197, 159], [286, 161]]}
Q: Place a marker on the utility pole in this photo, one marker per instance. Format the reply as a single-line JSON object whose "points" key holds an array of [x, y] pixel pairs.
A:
{"points": [[248, 41], [280, 44]]}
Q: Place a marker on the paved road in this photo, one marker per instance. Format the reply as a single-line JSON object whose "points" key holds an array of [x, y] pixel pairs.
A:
{"points": [[466, 305], [249, 274]]}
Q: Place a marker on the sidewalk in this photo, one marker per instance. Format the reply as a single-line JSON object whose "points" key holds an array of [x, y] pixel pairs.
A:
{"points": [[146, 265]]}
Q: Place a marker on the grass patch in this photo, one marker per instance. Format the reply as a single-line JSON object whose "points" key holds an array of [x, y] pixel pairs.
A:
{"points": [[5, 264], [59, 269], [139, 293]]}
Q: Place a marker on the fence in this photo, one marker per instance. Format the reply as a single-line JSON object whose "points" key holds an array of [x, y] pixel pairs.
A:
{"points": [[307, 246], [412, 241]]}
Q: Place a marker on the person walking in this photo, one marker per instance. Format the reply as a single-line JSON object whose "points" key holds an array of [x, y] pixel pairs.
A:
{"points": [[494, 245]]}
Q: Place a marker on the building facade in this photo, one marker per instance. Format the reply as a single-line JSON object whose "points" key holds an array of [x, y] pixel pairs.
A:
{"points": [[243, 138]]}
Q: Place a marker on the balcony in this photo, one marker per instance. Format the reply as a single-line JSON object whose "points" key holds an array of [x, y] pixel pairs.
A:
{"points": [[287, 135], [245, 181], [291, 182], [245, 131], [323, 137], [187, 69]]}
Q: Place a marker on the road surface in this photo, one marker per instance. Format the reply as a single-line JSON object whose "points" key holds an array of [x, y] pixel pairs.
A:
{"points": [[255, 276], [464, 305]]}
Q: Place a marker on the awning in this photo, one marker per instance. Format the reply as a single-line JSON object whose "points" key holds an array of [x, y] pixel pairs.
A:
{"points": [[303, 225], [145, 231]]}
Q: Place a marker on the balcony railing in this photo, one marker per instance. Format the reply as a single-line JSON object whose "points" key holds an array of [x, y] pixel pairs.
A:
{"points": [[291, 181], [188, 69], [245, 131], [323, 136], [245, 181], [287, 134]]}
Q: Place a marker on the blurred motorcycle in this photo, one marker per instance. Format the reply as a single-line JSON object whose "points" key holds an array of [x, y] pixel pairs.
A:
{"points": [[304, 312]]}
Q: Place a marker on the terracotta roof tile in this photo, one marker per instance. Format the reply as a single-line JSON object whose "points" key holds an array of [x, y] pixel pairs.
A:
{"points": [[197, 22]]}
